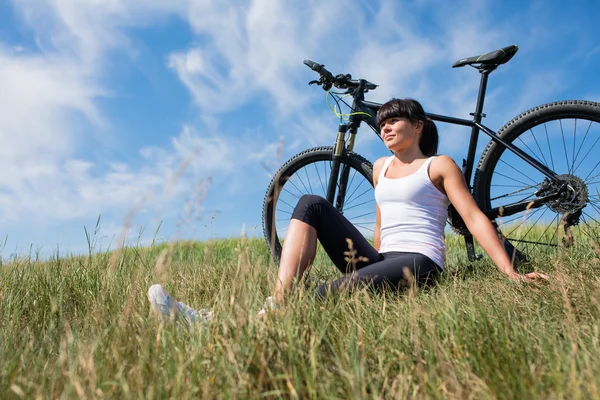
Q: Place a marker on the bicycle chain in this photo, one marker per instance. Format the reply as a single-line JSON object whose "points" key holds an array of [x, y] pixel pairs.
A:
{"points": [[515, 192]]}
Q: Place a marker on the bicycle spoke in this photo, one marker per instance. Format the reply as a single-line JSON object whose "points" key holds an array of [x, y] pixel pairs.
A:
{"points": [[595, 207], [286, 212], [293, 194], [581, 144], [586, 154], [555, 235], [354, 191], [358, 205], [319, 175], [593, 177], [287, 204], [297, 188], [564, 142], [532, 242], [539, 147], [536, 221], [514, 193], [532, 152], [549, 149], [300, 181], [325, 178], [520, 172], [525, 218], [596, 166], [308, 181], [360, 195], [365, 226], [508, 221], [574, 142], [540, 236], [587, 232], [511, 178], [363, 215], [515, 186], [352, 180], [590, 217]]}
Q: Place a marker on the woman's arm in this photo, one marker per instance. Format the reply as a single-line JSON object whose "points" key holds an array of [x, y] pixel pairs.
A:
{"points": [[377, 233], [453, 183]]}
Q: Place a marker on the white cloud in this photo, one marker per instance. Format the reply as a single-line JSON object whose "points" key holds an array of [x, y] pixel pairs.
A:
{"points": [[245, 53], [39, 98]]}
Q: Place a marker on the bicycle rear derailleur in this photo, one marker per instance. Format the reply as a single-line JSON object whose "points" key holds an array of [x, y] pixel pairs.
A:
{"points": [[572, 199]]}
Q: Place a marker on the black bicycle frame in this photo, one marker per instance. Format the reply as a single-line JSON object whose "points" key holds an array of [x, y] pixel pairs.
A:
{"points": [[360, 106]]}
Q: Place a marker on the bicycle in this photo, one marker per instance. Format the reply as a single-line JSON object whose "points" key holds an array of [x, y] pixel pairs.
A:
{"points": [[516, 166]]}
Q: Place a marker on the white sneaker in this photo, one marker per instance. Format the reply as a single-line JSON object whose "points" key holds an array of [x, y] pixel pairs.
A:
{"points": [[269, 305], [164, 304]]}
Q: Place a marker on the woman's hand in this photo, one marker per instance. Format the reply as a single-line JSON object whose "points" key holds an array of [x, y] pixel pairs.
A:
{"points": [[529, 277]]}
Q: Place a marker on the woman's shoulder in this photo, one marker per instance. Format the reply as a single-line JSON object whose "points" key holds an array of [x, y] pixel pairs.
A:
{"points": [[442, 160], [442, 165], [380, 161], [377, 166]]}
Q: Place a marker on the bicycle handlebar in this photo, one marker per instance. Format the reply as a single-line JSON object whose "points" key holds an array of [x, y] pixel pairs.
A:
{"points": [[320, 68], [340, 81]]}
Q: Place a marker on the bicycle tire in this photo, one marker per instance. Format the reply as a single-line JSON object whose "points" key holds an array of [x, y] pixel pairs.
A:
{"points": [[288, 174], [500, 170]]}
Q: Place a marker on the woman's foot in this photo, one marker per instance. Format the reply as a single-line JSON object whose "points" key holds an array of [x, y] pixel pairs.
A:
{"points": [[165, 305], [269, 305]]}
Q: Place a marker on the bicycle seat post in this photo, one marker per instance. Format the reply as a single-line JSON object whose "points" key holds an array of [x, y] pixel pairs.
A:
{"points": [[478, 115]]}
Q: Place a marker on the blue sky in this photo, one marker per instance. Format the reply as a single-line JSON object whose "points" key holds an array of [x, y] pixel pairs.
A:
{"points": [[171, 113]]}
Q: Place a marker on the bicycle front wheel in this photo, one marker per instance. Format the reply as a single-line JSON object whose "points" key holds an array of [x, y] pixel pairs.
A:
{"points": [[308, 173], [564, 136]]}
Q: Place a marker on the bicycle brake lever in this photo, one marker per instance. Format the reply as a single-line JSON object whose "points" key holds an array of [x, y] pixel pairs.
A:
{"points": [[314, 82]]}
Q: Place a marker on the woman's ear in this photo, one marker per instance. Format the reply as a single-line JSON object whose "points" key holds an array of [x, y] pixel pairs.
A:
{"points": [[419, 125]]}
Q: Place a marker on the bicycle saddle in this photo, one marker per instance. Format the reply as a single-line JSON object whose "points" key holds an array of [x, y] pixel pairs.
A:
{"points": [[494, 58]]}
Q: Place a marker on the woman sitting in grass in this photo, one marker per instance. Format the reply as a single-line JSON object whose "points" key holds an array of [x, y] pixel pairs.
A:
{"points": [[413, 189]]}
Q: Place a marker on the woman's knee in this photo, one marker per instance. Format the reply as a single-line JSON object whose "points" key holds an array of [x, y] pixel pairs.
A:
{"points": [[309, 208], [309, 200]]}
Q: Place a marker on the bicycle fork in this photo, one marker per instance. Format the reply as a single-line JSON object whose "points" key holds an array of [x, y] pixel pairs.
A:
{"points": [[338, 150]]}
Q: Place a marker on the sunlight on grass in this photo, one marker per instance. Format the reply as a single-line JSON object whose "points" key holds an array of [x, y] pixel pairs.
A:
{"points": [[81, 327]]}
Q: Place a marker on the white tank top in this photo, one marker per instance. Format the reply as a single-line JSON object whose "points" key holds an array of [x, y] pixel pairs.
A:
{"points": [[413, 213]]}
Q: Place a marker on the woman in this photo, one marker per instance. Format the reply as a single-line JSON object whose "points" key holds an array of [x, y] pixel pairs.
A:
{"points": [[413, 189]]}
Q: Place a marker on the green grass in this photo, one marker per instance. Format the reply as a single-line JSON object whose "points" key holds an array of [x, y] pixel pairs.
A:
{"points": [[81, 327]]}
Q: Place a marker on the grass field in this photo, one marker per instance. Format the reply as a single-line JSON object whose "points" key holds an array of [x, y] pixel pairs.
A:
{"points": [[81, 327]]}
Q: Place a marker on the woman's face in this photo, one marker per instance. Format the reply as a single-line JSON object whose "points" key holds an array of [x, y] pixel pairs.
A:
{"points": [[400, 133]]}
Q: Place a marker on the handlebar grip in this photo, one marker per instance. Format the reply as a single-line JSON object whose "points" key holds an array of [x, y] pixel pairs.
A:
{"points": [[320, 68], [313, 65]]}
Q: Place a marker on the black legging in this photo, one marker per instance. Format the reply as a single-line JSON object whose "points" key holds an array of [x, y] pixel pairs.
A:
{"points": [[370, 267]]}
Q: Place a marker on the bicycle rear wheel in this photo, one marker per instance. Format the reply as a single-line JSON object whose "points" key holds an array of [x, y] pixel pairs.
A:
{"points": [[565, 137], [308, 173]]}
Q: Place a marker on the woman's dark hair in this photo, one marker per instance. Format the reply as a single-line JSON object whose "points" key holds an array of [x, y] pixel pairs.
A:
{"points": [[413, 111]]}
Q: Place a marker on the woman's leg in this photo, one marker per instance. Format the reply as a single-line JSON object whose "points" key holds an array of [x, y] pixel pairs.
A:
{"points": [[297, 255], [164, 304], [315, 218], [397, 269]]}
